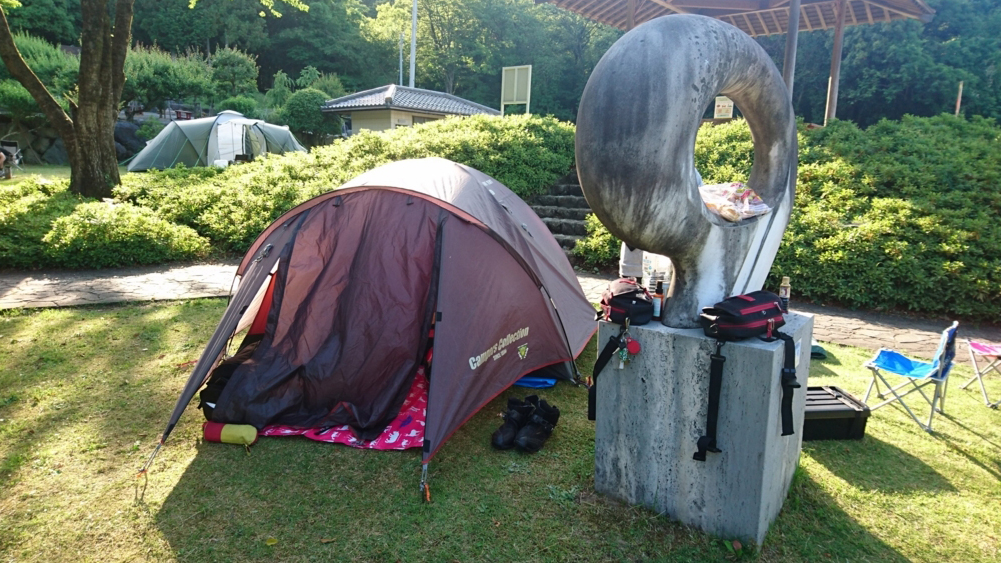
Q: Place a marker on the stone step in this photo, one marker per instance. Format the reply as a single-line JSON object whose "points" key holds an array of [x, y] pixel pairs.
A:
{"points": [[565, 226], [566, 189], [570, 201], [567, 242], [553, 212]]}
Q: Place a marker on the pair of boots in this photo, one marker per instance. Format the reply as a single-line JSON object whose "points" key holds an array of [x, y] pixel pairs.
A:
{"points": [[527, 424]]}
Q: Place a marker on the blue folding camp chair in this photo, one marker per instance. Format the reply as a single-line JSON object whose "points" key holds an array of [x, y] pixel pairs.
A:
{"points": [[918, 374]]}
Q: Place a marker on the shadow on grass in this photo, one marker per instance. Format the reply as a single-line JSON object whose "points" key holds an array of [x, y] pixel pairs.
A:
{"points": [[875, 465], [102, 370], [812, 527], [954, 445], [818, 368]]}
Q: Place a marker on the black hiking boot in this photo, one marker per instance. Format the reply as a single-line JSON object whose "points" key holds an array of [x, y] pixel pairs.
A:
{"points": [[518, 414], [532, 437]]}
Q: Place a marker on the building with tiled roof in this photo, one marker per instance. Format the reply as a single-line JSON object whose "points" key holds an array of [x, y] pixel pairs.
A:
{"points": [[392, 106]]}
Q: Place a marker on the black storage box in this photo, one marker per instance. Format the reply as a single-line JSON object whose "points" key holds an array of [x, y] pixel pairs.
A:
{"points": [[832, 414]]}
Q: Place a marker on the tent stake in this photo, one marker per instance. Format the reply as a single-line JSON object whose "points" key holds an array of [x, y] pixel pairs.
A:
{"points": [[425, 488]]}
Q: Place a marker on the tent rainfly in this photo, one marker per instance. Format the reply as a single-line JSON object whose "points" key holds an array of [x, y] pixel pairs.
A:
{"points": [[342, 294], [202, 142]]}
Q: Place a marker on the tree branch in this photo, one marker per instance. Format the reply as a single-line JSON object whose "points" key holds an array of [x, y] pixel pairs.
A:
{"points": [[23, 74]]}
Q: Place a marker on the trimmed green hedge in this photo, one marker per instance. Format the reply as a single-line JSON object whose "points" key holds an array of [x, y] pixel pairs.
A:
{"points": [[105, 235], [231, 207], [27, 210], [900, 216]]}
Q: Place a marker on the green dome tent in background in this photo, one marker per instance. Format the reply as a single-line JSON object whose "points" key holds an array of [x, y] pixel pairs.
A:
{"points": [[203, 142]]}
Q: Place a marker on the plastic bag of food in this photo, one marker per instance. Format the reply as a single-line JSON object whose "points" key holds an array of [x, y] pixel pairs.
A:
{"points": [[733, 201]]}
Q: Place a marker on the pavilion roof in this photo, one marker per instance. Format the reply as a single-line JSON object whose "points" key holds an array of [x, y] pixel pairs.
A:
{"points": [[754, 17]]}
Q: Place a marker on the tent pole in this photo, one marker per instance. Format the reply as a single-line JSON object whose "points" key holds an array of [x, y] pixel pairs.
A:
{"points": [[835, 78], [566, 339], [792, 39]]}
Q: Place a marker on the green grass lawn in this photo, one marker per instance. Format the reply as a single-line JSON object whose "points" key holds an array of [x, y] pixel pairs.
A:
{"points": [[85, 393], [48, 171]]}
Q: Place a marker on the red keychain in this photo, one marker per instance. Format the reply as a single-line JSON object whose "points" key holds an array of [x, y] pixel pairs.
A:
{"points": [[632, 346]]}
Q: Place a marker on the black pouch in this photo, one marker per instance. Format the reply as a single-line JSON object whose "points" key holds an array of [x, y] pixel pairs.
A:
{"points": [[625, 299], [743, 316]]}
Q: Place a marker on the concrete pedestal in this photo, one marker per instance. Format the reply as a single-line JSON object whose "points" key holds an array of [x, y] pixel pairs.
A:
{"points": [[651, 414]]}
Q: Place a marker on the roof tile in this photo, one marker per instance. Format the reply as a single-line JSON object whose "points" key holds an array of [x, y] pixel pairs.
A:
{"points": [[402, 97]]}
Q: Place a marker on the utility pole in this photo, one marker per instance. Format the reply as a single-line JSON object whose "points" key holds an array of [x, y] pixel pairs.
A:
{"points": [[959, 97], [413, 42], [401, 59]]}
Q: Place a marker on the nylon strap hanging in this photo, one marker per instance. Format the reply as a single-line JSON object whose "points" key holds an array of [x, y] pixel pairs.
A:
{"points": [[707, 443], [614, 344], [789, 382]]}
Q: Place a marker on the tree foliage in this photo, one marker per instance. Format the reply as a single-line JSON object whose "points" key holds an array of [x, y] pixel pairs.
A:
{"points": [[303, 116], [234, 72], [56, 69], [906, 67], [241, 104], [210, 24], [18, 102], [56, 21], [331, 37], [280, 90], [330, 84], [153, 76], [463, 44]]}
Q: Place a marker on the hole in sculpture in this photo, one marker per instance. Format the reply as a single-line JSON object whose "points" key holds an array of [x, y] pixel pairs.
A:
{"points": [[731, 201]]}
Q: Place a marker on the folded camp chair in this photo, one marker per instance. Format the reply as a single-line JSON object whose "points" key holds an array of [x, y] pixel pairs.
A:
{"points": [[918, 374], [16, 158], [992, 354]]}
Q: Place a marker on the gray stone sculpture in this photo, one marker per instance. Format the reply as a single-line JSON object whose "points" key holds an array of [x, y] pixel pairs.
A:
{"points": [[636, 128]]}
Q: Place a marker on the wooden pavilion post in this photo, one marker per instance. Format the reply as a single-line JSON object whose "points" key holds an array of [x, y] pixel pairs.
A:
{"points": [[792, 39], [630, 14], [835, 78]]}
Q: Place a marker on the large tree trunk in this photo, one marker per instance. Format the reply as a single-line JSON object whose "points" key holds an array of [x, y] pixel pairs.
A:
{"points": [[89, 135]]}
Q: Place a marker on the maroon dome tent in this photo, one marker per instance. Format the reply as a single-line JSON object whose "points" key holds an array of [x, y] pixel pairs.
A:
{"points": [[340, 294]]}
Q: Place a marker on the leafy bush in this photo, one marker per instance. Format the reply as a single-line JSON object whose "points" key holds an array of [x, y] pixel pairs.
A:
{"points": [[900, 216], [150, 128], [280, 90], [56, 69], [599, 249], [525, 153], [153, 76], [18, 101], [99, 235], [303, 116], [27, 211], [240, 104], [330, 84]]}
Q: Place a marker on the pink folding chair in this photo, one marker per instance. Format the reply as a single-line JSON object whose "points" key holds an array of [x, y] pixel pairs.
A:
{"points": [[991, 354]]}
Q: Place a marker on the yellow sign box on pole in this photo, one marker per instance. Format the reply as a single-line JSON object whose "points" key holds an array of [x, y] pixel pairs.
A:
{"points": [[516, 86]]}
